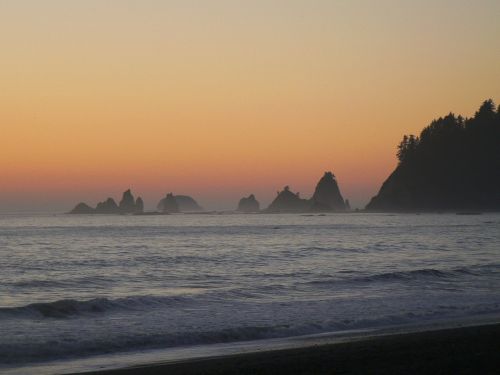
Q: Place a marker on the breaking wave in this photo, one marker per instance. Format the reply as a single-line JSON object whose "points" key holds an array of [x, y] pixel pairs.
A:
{"points": [[66, 308], [419, 274]]}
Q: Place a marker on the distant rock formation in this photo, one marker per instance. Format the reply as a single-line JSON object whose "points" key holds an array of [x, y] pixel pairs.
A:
{"points": [[109, 206], [287, 201], [169, 204], [82, 208], [453, 165], [187, 204], [347, 205], [184, 203], [327, 195], [139, 206], [249, 204], [127, 206]]}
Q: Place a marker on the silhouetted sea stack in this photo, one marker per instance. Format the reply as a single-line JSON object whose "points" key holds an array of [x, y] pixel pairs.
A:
{"points": [[187, 204], [287, 201], [109, 206], [249, 204], [453, 165], [326, 198], [178, 203], [139, 206], [168, 204], [82, 208], [127, 206], [327, 195], [347, 205]]}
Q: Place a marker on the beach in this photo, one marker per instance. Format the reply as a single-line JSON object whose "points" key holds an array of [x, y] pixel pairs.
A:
{"points": [[464, 350]]}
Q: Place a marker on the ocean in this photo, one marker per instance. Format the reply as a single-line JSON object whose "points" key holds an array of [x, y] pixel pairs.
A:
{"points": [[85, 292]]}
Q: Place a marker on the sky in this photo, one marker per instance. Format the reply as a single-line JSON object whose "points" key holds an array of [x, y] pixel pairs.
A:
{"points": [[219, 99]]}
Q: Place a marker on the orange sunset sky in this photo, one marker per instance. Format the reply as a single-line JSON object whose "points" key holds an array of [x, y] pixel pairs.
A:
{"points": [[220, 99]]}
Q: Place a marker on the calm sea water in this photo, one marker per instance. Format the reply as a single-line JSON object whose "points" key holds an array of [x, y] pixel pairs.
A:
{"points": [[81, 286]]}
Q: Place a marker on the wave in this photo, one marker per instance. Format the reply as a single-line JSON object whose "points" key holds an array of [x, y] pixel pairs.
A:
{"points": [[27, 351], [417, 274], [413, 275], [123, 341], [67, 308]]}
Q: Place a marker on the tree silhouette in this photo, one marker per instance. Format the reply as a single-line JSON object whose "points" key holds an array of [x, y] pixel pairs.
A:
{"points": [[453, 163]]}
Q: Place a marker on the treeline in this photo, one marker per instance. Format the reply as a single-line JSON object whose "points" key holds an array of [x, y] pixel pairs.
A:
{"points": [[454, 163]]}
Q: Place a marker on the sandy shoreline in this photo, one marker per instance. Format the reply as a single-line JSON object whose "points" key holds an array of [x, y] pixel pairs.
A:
{"points": [[466, 350]]}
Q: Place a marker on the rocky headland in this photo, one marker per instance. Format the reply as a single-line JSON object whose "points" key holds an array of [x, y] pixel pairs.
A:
{"points": [[454, 164]]}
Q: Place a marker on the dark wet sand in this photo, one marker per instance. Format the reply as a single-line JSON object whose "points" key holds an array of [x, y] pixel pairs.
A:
{"points": [[469, 350]]}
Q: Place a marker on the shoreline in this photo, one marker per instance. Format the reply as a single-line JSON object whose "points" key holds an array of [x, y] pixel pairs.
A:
{"points": [[463, 350]]}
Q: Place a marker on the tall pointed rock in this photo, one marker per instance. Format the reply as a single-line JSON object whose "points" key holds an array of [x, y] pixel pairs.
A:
{"points": [[327, 195], [139, 206], [127, 204]]}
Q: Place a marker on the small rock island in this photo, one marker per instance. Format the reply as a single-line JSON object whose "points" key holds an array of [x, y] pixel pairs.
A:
{"points": [[128, 205], [178, 203], [326, 198], [248, 204]]}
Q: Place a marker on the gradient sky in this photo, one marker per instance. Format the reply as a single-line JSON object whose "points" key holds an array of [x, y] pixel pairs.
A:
{"points": [[220, 99]]}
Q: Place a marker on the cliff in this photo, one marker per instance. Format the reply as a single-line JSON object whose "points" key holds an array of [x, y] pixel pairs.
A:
{"points": [[454, 164], [249, 204]]}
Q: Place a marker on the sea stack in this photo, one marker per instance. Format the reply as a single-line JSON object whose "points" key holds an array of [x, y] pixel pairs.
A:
{"points": [[127, 204], [347, 205], [82, 208], [327, 195], [249, 204], [139, 206], [178, 203], [168, 204], [287, 201], [187, 204], [109, 206]]}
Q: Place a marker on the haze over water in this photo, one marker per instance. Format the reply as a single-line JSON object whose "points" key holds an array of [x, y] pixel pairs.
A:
{"points": [[79, 286]]}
